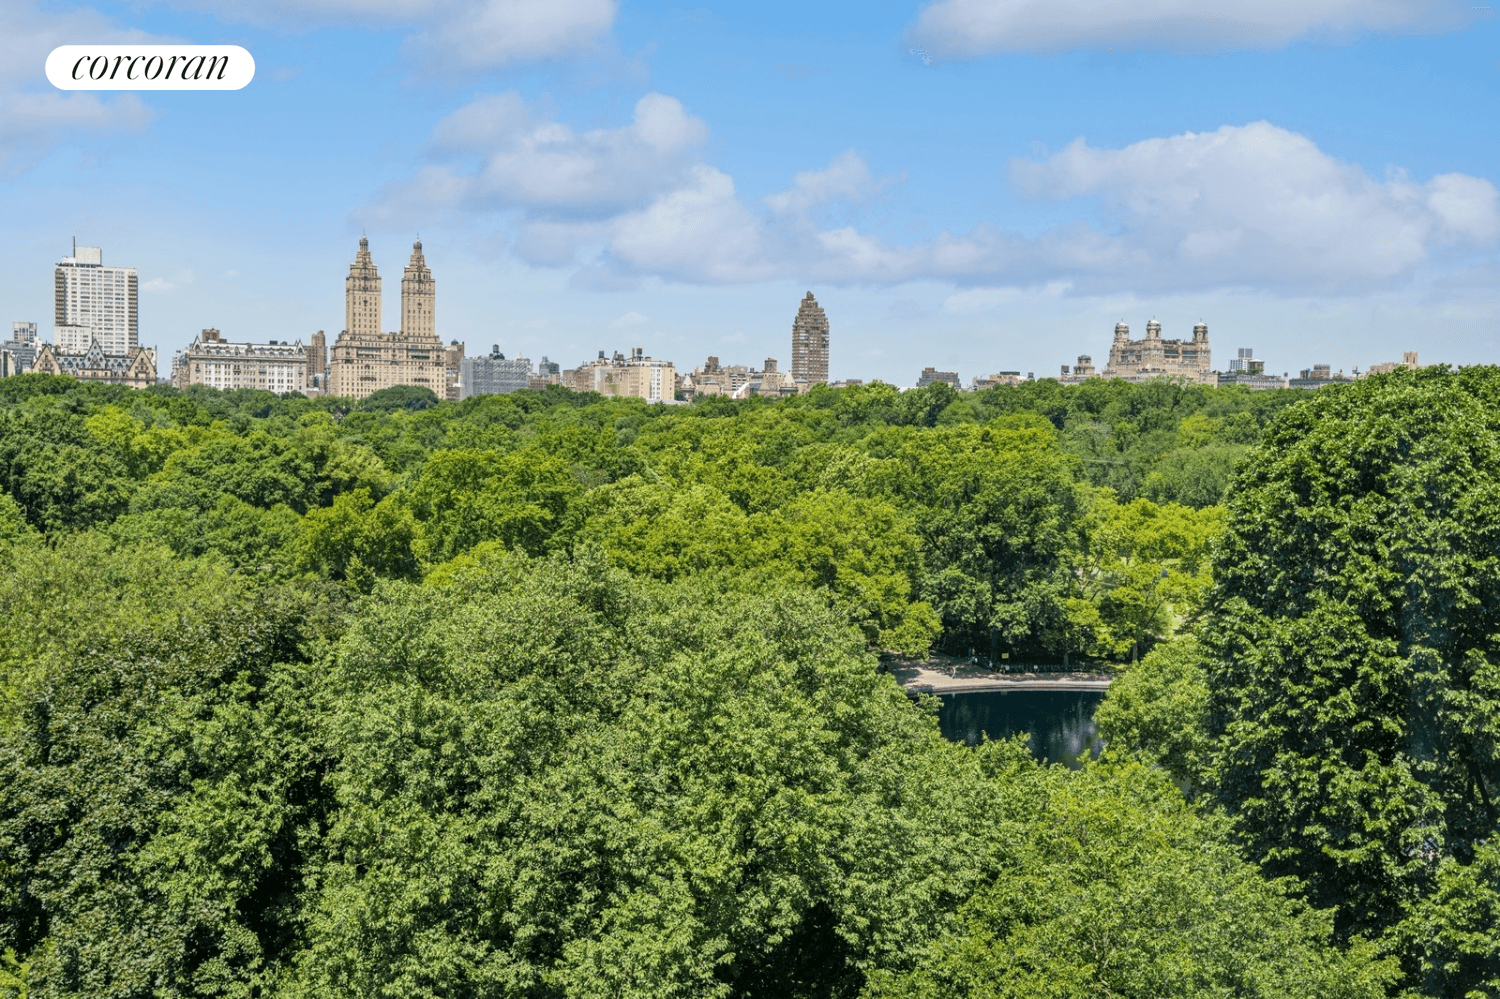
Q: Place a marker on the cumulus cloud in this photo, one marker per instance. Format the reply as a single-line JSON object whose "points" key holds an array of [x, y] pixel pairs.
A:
{"points": [[556, 178], [34, 116], [450, 33], [965, 28], [1256, 205], [846, 177], [1249, 207]]}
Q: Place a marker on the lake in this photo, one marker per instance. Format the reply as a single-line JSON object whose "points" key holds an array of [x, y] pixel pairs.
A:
{"points": [[1059, 723]]}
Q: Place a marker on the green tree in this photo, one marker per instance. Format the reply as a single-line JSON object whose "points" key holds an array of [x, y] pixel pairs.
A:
{"points": [[130, 677], [357, 540], [1141, 572], [1158, 710], [1118, 889], [1353, 670], [525, 500]]}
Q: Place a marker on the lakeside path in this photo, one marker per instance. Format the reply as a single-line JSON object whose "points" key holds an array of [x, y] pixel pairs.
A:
{"points": [[940, 674]]}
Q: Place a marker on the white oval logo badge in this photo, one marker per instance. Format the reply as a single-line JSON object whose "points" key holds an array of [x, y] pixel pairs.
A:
{"points": [[150, 67]]}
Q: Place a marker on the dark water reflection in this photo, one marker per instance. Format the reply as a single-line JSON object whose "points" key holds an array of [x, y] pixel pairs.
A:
{"points": [[1059, 723]]}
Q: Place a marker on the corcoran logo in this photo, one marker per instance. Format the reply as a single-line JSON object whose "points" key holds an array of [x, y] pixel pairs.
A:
{"points": [[150, 67]]}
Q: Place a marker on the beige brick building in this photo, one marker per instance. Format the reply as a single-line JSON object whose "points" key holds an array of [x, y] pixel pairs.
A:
{"points": [[277, 366], [1153, 357], [637, 375], [364, 360]]}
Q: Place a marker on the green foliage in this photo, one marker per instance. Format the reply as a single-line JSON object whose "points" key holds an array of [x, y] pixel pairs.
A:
{"points": [[357, 540], [625, 736], [1158, 710], [997, 507], [398, 397], [1116, 888], [863, 552], [1353, 669], [1141, 573], [524, 500], [126, 672]]}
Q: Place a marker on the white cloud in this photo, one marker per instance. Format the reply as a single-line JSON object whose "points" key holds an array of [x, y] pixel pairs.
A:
{"points": [[963, 28], [449, 34], [556, 178], [1251, 207], [177, 280], [846, 177], [34, 116], [627, 320], [1259, 206]]}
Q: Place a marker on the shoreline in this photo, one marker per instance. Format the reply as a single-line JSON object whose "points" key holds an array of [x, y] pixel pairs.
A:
{"points": [[941, 674]]}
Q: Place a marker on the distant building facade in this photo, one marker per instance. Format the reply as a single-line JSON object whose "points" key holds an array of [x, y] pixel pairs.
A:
{"points": [[1248, 370], [94, 302], [1154, 357], [637, 376], [931, 376], [547, 373], [810, 343], [364, 360], [275, 366], [453, 359], [1319, 376], [317, 363], [770, 382], [18, 354], [1080, 372], [712, 378], [136, 368], [493, 375], [997, 380], [1408, 361]]}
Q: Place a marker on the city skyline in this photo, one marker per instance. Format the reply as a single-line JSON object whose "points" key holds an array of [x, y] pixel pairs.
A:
{"points": [[1306, 181], [364, 308]]}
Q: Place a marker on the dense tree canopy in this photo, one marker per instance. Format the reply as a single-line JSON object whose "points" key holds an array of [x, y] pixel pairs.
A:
{"points": [[549, 695]]}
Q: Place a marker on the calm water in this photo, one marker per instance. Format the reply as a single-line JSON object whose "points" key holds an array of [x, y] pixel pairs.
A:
{"points": [[1059, 723]]}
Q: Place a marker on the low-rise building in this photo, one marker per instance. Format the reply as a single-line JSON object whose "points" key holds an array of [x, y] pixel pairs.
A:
{"points": [[1249, 371], [1005, 378], [931, 376], [493, 375], [1080, 372], [637, 376], [136, 369], [275, 366], [771, 382]]}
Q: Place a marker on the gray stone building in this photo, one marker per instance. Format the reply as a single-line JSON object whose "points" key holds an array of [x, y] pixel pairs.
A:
{"points": [[20, 350], [492, 375]]}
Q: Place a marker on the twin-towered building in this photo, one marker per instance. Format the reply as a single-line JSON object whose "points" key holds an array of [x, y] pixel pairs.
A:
{"points": [[363, 359]]}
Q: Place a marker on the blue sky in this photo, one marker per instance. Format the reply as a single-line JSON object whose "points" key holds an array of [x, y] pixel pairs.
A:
{"points": [[1316, 181]]}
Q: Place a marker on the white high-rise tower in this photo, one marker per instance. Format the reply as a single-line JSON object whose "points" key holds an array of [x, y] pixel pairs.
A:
{"points": [[94, 302]]}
